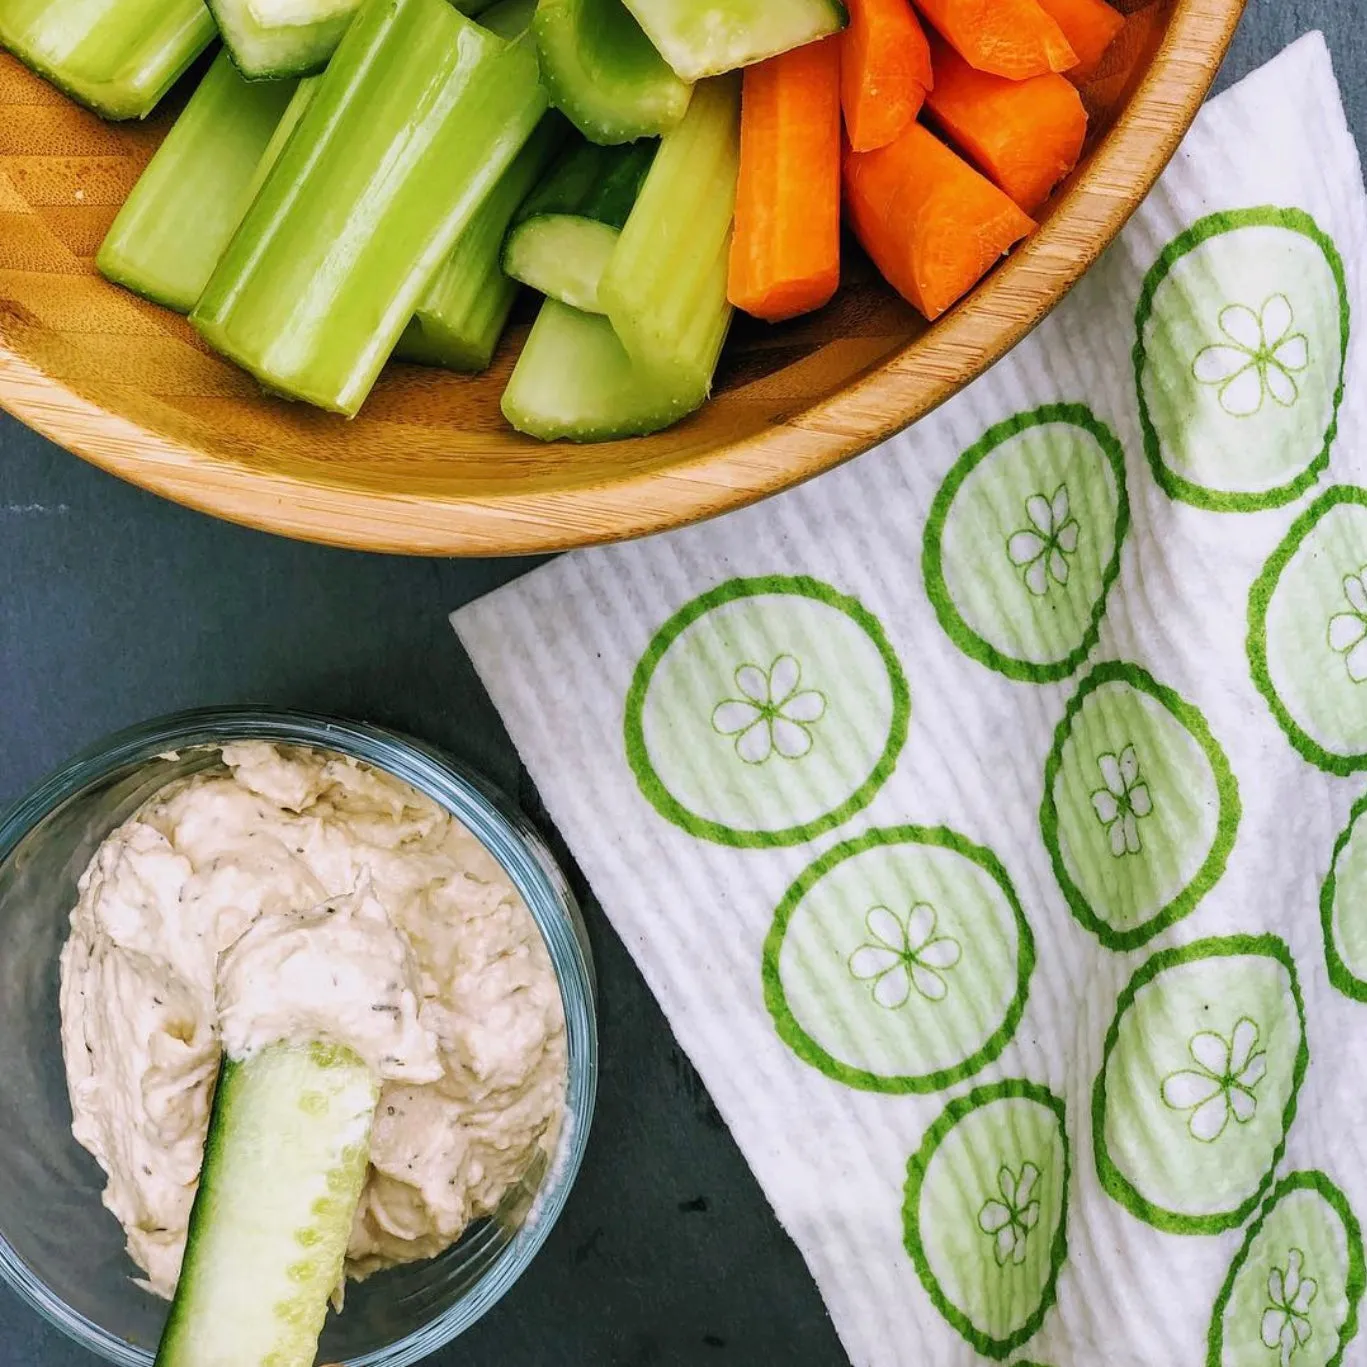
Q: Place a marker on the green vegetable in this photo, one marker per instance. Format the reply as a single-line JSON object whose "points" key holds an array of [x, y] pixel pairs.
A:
{"points": [[664, 290], [172, 229], [604, 73], [462, 316], [508, 18], [304, 91], [704, 39], [567, 230], [117, 56], [284, 1165], [273, 38], [418, 116], [575, 380]]}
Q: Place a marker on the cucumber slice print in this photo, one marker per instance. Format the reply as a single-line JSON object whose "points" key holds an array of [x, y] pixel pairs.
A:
{"points": [[765, 712], [1140, 808], [985, 1214], [1294, 1287], [899, 961], [1307, 631], [1343, 909], [1023, 542], [1242, 341], [1198, 1083]]}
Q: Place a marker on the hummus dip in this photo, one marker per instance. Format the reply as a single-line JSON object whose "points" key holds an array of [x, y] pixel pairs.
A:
{"points": [[291, 895]]}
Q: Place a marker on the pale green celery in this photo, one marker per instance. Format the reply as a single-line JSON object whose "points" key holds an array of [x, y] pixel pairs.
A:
{"points": [[304, 91], [117, 56], [462, 316], [665, 288], [174, 226], [574, 380], [706, 39], [603, 72], [270, 39], [418, 116]]}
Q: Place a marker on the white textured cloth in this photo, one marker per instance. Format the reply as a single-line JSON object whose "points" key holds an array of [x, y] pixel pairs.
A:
{"points": [[982, 814]]}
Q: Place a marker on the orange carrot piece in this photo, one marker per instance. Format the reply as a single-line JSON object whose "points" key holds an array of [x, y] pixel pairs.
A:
{"points": [[884, 71], [1090, 26], [1011, 38], [1025, 136], [931, 223], [785, 253]]}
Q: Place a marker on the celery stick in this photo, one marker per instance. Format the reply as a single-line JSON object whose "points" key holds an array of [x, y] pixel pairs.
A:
{"points": [[463, 314], [575, 380], [117, 56], [567, 230], [172, 229], [665, 288], [604, 73], [294, 111], [417, 117]]}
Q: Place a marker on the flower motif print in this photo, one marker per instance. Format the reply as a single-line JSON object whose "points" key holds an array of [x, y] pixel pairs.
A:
{"points": [[773, 715], [1010, 1219], [1123, 802], [1042, 549], [905, 954], [1258, 355], [1348, 630], [1224, 1081], [1286, 1321]]}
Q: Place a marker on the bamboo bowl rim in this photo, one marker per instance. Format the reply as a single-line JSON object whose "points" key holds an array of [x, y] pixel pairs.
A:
{"points": [[889, 397]]}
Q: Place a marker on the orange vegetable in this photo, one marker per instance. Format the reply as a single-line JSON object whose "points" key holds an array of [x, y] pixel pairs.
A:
{"points": [[1012, 38], [785, 253], [931, 223], [1090, 26], [884, 71], [1023, 135]]}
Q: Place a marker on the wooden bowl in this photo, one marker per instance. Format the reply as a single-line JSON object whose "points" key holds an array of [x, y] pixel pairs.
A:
{"points": [[430, 467]]}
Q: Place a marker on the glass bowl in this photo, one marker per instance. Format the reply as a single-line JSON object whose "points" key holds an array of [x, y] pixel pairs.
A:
{"points": [[60, 1250]]}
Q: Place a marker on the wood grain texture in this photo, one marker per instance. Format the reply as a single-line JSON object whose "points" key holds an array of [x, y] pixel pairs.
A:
{"points": [[429, 467]]}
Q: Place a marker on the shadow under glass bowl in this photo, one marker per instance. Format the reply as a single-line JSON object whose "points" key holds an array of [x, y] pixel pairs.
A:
{"points": [[60, 1250]]}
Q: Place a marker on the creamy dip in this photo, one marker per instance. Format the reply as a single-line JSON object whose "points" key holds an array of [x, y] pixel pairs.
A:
{"points": [[299, 895]]}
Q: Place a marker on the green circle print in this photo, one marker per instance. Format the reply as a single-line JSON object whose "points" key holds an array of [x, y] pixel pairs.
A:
{"points": [[1307, 631], [1023, 542], [1343, 908], [1140, 808], [899, 961], [986, 1211], [1198, 1083], [765, 712], [1294, 1287], [1239, 360]]}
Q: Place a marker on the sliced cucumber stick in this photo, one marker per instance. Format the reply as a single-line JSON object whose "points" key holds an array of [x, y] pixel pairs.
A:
{"points": [[604, 74], [173, 227], [705, 39], [284, 1165], [567, 230], [117, 56], [575, 380]]}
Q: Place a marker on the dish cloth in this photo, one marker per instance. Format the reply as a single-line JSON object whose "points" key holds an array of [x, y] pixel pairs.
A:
{"points": [[986, 815]]}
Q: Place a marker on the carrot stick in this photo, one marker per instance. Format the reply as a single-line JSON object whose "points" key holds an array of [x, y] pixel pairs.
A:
{"points": [[1023, 135], [1090, 26], [884, 71], [785, 253], [1012, 38], [931, 223]]}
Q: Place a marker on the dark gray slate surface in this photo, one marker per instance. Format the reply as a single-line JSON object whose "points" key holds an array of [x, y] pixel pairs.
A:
{"points": [[115, 607]]}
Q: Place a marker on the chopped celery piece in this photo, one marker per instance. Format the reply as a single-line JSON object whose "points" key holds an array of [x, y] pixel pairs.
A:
{"points": [[117, 56], [275, 38], [567, 230], [462, 316], [603, 72], [303, 96], [714, 36], [665, 288], [574, 380], [167, 238], [417, 117]]}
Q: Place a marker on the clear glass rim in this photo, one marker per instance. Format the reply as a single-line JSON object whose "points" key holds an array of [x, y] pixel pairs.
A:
{"points": [[523, 856]]}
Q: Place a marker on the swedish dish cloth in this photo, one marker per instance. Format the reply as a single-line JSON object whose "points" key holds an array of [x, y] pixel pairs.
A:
{"points": [[983, 814]]}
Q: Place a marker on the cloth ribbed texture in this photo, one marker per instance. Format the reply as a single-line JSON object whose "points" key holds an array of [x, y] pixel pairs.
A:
{"points": [[984, 814]]}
